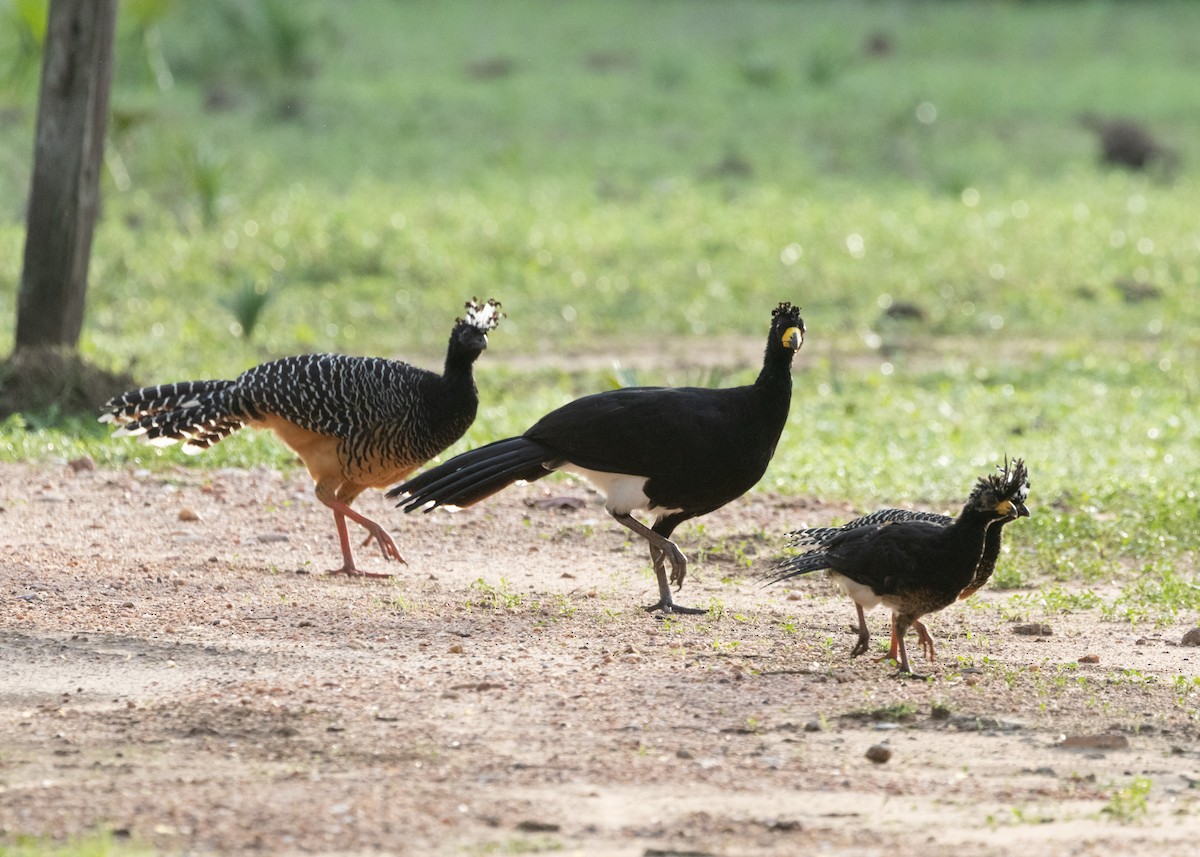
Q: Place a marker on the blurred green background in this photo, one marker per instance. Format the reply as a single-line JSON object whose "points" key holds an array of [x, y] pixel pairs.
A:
{"points": [[640, 179]]}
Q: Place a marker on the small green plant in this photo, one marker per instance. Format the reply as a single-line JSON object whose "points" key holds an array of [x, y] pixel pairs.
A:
{"points": [[1131, 803], [1184, 686], [1011, 676], [400, 604], [247, 305], [206, 172], [496, 597], [672, 625]]}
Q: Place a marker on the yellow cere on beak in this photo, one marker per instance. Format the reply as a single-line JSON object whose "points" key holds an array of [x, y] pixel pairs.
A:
{"points": [[793, 338]]}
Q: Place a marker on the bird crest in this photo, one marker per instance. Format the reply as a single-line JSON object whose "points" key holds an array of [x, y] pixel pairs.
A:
{"points": [[788, 313], [786, 320], [482, 316], [1011, 483]]}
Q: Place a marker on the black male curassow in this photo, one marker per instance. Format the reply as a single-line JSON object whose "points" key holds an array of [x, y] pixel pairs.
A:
{"points": [[914, 562], [675, 452], [355, 422]]}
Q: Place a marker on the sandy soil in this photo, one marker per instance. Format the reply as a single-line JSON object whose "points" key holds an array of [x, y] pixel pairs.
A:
{"points": [[178, 671]]}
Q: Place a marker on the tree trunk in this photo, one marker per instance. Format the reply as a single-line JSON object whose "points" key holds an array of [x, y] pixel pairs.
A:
{"points": [[68, 157]]}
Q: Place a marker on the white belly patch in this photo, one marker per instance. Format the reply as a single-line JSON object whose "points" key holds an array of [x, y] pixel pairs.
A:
{"points": [[622, 492], [862, 595]]}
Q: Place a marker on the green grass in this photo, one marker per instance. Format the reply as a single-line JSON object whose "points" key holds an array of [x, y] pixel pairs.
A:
{"points": [[95, 845], [625, 172]]}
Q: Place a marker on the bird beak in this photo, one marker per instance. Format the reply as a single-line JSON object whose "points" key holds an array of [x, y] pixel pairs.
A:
{"points": [[793, 338], [1021, 510]]}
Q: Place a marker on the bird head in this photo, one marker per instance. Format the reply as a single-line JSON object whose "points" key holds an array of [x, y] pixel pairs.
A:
{"points": [[480, 319], [787, 327], [1003, 495]]}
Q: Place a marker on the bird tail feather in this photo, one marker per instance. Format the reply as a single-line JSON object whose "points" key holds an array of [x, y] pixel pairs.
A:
{"points": [[811, 537], [198, 413], [797, 565], [475, 475]]}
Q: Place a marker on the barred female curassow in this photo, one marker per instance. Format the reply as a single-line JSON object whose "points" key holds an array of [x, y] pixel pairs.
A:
{"points": [[675, 452], [356, 422], [914, 562]]}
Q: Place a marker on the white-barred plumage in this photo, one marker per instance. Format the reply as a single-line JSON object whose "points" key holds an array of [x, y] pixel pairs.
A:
{"points": [[356, 422]]}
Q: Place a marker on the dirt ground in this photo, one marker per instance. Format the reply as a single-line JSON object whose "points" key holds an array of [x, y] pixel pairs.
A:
{"points": [[176, 670]]}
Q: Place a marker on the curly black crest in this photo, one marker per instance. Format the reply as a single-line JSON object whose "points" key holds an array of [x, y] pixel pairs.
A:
{"points": [[1011, 483], [1013, 480], [788, 313]]}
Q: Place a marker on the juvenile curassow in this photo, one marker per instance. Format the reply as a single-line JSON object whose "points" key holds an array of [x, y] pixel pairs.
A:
{"points": [[914, 562], [675, 452], [355, 422]]}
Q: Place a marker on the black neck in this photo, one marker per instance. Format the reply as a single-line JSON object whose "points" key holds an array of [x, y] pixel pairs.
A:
{"points": [[777, 364], [459, 363], [971, 519]]}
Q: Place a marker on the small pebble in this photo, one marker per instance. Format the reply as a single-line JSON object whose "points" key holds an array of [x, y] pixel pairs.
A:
{"points": [[878, 753], [1090, 659], [1191, 638], [187, 513]]}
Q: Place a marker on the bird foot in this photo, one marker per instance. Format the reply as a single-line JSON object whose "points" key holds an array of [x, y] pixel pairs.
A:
{"points": [[864, 640], [668, 607], [353, 571], [903, 673], [386, 544]]}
